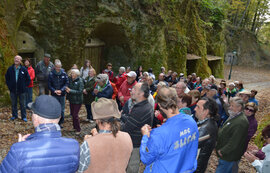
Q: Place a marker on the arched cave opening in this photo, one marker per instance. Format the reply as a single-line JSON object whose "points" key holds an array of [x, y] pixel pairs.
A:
{"points": [[110, 44]]}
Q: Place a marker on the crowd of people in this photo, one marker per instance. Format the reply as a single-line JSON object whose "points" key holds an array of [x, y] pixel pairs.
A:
{"points": [[171, 123]]}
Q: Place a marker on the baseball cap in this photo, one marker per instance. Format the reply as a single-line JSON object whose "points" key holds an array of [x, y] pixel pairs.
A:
{"points": [[132, 74]]}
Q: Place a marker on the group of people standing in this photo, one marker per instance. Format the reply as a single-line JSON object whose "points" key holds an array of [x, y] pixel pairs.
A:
{"points": [[171, 124]]}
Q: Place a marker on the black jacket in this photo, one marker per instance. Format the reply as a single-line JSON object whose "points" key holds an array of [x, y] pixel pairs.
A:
{"points": [[18, 87], [142, 113], [58, 81], [209, 127]]}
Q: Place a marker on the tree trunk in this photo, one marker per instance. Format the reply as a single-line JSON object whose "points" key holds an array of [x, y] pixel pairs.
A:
{"points": [[244, 13], [253, 28]]}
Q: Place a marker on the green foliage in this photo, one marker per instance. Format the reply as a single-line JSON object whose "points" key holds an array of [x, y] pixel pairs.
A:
{"points": [[259, 141], [211, 13], [7, 53]]}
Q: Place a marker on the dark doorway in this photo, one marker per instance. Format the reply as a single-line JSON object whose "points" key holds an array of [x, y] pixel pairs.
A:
{"points": [[116, 49], [191, 66]]}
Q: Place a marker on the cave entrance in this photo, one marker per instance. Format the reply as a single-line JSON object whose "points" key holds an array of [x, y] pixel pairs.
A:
{"points": [[191, 63], [115, 48], [214, 63]]}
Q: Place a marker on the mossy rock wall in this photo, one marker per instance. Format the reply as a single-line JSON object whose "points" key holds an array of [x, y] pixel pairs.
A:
{"points": [[151, 33]]}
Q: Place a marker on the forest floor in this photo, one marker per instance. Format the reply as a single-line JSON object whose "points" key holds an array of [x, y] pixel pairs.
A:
{"points": [[253, 78]]}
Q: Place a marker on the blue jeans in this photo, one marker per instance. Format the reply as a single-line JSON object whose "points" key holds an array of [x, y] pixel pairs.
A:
{"points": [[14, 99], [227, 167], [29, 95], [61, 100], [89, 112]]}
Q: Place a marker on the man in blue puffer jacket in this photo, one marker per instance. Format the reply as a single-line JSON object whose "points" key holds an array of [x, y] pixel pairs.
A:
{"points": [[173, 146], [45, 150]]}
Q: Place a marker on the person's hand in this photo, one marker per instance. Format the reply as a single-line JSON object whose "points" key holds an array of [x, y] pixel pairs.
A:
{"points": [[121, 99], [94, 131], [84, 91], [250, 157], [58, 92], [67, 89], [22, 138], [95, 91], [253, 149], [146, 130], [87, 137], [219, 152]]}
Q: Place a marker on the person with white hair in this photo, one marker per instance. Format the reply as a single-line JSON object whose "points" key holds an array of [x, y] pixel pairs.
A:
{"points": [[231, 91], [232, 137], [57, 83], [120, 78], [103, 87], [75, 97], [17, 79]]}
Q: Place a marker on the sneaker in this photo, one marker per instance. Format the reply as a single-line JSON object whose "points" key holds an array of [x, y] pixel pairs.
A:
{"points": [[13, 118], [24, 119], [77, 133], [91, 121]]}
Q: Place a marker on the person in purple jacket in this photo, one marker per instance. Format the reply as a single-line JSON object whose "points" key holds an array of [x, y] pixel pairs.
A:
{"points": [[250, 111]]}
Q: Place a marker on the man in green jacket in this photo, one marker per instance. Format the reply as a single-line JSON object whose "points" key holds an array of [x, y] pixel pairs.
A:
{"points": [[232, 137]]}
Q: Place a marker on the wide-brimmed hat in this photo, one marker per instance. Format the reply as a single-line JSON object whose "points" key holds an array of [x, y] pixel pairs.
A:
{"points": [[105, 108], [246, 92]]}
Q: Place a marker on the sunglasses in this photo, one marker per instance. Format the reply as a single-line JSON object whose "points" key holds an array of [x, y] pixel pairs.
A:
{"points": [[250, 110]]}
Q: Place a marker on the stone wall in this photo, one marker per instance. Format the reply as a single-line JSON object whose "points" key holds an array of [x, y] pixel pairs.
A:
{"points": [[150, 33]]}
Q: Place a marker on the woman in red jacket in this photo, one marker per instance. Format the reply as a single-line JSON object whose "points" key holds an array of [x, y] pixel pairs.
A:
{"points": [[29, 89]]}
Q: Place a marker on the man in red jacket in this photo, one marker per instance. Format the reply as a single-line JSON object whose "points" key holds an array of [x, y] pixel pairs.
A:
{"points": [[126, 87], [120, 78]]}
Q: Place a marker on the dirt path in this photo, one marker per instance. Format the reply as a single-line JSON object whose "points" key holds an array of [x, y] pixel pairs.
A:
{"points": [[258, 79]]}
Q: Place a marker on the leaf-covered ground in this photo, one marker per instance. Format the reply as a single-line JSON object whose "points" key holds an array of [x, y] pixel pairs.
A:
{"points": [[253, 79]]}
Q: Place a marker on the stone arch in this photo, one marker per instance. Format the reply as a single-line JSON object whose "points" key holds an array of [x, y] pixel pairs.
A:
{"points": [[116, 47], [28, 48]]}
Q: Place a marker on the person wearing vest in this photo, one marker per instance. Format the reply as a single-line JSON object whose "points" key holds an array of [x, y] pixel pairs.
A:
{"points": [[45, 150], [109, 149]]}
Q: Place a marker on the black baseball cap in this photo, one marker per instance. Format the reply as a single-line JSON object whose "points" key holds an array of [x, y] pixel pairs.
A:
{"points": [[46, 106]]}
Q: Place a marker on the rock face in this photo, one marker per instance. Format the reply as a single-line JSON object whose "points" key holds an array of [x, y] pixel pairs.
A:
{"points": [[150, 33], [249, 50]]}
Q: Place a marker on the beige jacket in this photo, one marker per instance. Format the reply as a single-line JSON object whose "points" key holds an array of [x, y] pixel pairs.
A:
{"points": [[109, 154]]}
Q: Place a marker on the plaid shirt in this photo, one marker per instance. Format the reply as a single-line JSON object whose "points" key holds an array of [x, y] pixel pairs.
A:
{"points": [[48, 127], [85, 155]]}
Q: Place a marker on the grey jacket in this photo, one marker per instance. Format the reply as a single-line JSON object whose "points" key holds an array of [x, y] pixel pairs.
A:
{"points": [[42, 71]]}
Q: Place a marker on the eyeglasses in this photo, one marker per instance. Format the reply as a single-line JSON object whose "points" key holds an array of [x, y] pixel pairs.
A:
{"points": [[250, 110]]}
